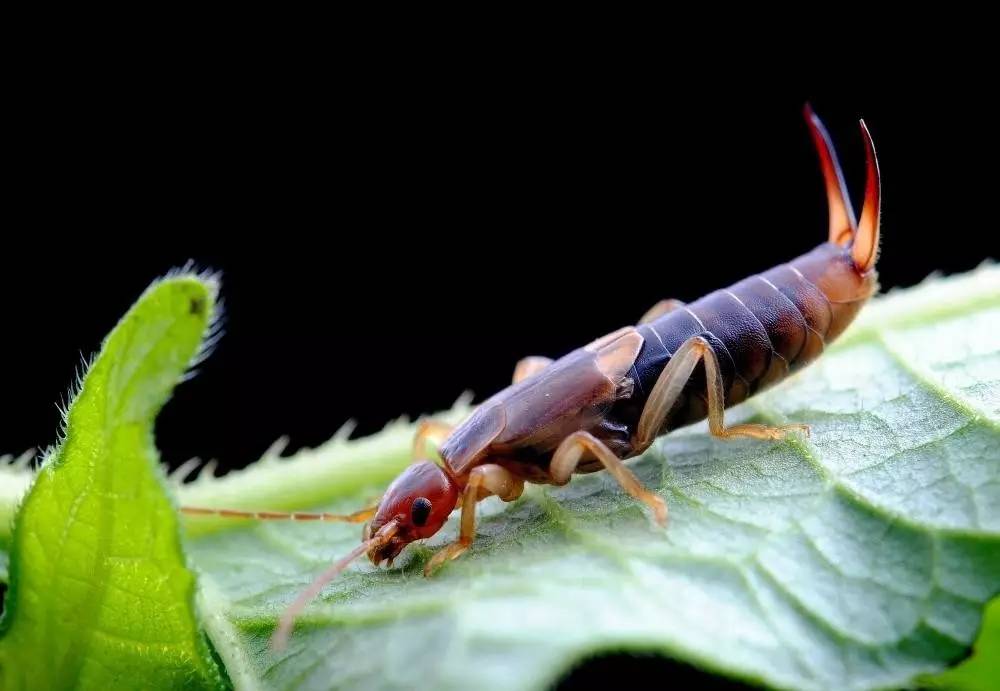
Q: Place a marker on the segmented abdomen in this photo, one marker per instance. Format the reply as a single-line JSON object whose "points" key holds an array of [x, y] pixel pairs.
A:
{"points": [[761, 329]]}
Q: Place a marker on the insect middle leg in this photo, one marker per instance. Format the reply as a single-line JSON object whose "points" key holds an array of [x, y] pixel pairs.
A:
{"points": [[484, 480], [571, 450], [659, 309], [671, 382], [529, 366]]}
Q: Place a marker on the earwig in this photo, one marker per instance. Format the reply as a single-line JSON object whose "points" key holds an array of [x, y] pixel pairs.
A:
{"points": [[608, 401]]}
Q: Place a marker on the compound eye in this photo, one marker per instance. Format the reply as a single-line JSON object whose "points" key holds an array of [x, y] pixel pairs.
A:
{"points": [[420, 510]]}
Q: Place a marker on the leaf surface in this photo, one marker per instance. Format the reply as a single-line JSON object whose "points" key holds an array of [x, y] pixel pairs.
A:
{"points": [[861, 557]]}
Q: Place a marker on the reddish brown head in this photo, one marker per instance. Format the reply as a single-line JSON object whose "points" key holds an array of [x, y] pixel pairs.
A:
{"points": [[415, 505]]}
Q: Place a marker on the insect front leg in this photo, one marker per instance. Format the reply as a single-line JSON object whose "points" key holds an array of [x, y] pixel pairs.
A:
{"points": [[530, 366], [671, 382], [432, 430], [484, 480], [659, 309], [571, 450]]}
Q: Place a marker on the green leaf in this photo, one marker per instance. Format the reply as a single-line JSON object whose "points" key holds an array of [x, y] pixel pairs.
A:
{"points": [[100, 596], [981, 672], [860, 557]]}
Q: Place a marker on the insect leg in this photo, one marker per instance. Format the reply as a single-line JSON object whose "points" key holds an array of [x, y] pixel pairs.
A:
{"points": [[671, 382], [571, 450], [484, 480], [429, 430], [529, 366], [659, 309]]}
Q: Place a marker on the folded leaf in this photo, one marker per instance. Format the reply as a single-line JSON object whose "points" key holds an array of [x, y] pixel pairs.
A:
{"points": [[100, 596]]}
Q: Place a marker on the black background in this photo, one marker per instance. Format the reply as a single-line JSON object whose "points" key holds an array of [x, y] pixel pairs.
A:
{"points": [[386, 246]]}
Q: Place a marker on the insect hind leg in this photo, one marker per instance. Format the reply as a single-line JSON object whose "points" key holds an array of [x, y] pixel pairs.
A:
{"points": [[671, 383]]}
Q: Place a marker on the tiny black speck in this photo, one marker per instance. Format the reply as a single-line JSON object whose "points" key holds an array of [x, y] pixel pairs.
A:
{"points": [[197, 305]]}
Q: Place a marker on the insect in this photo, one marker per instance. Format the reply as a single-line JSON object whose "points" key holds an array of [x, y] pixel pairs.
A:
{"points": [[609, 400]]}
